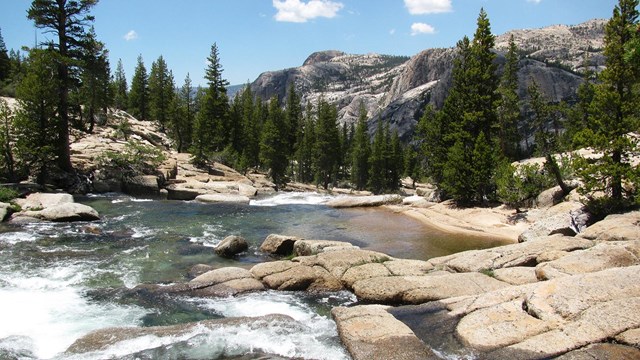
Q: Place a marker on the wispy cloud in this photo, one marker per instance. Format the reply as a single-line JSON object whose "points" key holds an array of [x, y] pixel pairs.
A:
{"points": [[392, 32], [131, 35], [299, 11], [419, 7], [422, 28], [535, 1]]}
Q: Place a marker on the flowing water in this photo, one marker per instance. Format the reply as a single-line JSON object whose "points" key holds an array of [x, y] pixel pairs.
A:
{"points": [[60, 281]]}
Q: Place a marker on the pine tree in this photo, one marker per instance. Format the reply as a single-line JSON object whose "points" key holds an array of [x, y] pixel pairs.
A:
{"points": [[327, 145], [95, 90], [508, 109], [68, 20], [306, 147], [7, 159], [546, 140], [579, 118], [182, 123], [615, 114], [469, 111], [273, 144], [38, 92], [250, 155], [120, 88], [377, 166], [161, 92], [5, 64], [293, 112], [211, 127], [394, 163], [361, 152], [139, 93]]}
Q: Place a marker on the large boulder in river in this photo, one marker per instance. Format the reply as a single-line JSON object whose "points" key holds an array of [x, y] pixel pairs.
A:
{"points": [[370, 332], [39, 201], [61, 213], [231, 246], [135, 339], [223, 198], [364, 201]]}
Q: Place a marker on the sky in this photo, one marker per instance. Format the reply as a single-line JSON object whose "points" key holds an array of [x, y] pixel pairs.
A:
{"points": [[254, 36]]}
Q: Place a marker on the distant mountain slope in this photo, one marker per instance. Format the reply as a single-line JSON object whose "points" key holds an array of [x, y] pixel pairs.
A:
{"points": [[397, 89]]}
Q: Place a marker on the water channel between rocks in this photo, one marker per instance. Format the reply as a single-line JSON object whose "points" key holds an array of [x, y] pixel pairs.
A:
{"points": [[60, 281]]}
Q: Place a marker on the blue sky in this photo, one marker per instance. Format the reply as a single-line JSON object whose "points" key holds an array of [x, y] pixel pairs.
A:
{"points": [[254, 36]]}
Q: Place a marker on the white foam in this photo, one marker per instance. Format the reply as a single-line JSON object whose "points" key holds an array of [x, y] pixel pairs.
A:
{"points": [[50, 311], [293, 198], [212, 234]]}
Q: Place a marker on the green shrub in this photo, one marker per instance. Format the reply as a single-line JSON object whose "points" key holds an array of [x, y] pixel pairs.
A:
{"points": [[136, 159], [7, 194], [518, 186]]}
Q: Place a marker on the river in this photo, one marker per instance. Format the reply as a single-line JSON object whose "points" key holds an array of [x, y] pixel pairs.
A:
{"points": [[60, 281]]}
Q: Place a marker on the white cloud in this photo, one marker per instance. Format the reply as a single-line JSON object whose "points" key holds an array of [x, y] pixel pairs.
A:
{"points": [[422, 28], [419, 7], [392, 32], [131, 35], [299, 11], [535, 1]]}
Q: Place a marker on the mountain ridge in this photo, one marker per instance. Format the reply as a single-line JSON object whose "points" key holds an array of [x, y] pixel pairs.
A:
{"points": [[396, 89]]}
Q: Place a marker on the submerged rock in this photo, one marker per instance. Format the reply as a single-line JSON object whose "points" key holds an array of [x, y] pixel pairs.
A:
{"points": [[103, 339], [223, 198]]}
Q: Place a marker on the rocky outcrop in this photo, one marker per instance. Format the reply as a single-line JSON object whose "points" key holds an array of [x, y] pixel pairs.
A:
{"points": [[566, 218], [231, 246]]}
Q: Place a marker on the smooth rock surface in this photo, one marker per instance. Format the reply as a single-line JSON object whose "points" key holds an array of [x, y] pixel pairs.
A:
{"points": [[600, 257], [619, 227], [313, 247], [370, 332], [558, 219], [421, 289], [522, 254]]}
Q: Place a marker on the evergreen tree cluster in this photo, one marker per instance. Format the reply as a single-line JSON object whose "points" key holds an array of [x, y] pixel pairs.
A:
{"points": [[468, 145]]}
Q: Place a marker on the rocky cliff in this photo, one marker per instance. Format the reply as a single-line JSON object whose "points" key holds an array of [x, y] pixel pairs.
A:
{"points": [[396, 89]]}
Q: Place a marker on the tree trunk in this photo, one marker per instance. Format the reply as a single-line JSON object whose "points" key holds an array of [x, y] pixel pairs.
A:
{"points": [[555, 170]]}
